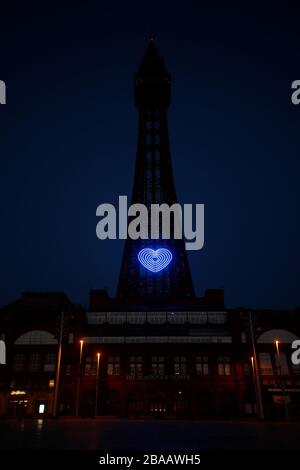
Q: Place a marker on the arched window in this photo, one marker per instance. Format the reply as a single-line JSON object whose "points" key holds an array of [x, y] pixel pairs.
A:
{"points": [[283, 336], [36, 337]]}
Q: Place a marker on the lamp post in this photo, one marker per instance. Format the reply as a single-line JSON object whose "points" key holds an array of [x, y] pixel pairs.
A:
{"points": [[97, 384], [278, 359], [280, 379], [58, 364], [255, 382], [260, 408], [277, 346], [79, 377]]}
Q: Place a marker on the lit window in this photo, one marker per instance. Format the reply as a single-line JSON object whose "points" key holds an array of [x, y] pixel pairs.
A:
{"points": [[90, 366], [41, 408], [202, 365], [179, 365], [224, 365], [113, 365], [136, 366], [158, 366]]}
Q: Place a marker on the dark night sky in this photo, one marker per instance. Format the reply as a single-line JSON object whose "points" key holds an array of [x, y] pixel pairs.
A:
{"points": [[68, 139]]}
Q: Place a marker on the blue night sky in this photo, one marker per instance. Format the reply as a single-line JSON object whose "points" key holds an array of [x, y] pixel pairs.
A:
{"points": [[68, 139]]}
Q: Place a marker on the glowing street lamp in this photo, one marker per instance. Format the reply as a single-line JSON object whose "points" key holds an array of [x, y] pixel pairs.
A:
{"points": [[79, 377], [97, 384], [278, 356], [81, 346]]}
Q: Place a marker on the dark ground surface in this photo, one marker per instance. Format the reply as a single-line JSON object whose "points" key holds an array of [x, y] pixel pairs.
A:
{"points": [[147, 434]]}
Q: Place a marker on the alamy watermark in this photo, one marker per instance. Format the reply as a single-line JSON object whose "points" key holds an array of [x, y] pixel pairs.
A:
{"points": [[2, 353], [2, 92], [296, 93], [161, 221], [295, 358]]}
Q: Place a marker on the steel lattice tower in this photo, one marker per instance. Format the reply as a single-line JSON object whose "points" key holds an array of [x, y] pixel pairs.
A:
{"points": [[154, 183]]}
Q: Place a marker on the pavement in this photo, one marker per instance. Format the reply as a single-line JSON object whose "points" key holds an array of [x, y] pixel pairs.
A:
{"points": [[135, 435]]}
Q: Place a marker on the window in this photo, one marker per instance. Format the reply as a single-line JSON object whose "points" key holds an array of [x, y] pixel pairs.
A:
{"points": [[50, 363], [90, 366], [35, 361], [179, 365], [282, 367], [224, 365], [197, 317], [265, 363], [158, 366], [36, 337], [19, 362], [202, 365], [177, 317], [113, 365], [135, 366], [68, 369], [247, 368], [217, 318], [41, 409], [70, 338], [94, 318], [156, 317], [136, 317], [116, 318], [250, 408]]}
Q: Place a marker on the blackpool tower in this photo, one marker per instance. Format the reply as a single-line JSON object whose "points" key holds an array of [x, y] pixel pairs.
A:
{"points": [[154, 269]]}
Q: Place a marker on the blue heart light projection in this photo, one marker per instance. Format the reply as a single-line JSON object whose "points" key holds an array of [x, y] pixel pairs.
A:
{"points": [[155, 260]]}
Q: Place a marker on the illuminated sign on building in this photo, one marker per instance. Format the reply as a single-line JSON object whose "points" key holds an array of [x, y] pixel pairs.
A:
{"points": [[155, 260], [51, 383]]}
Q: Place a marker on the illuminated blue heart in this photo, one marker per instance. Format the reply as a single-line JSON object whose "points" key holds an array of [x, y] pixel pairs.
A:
{"points": [[155, 260]]}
